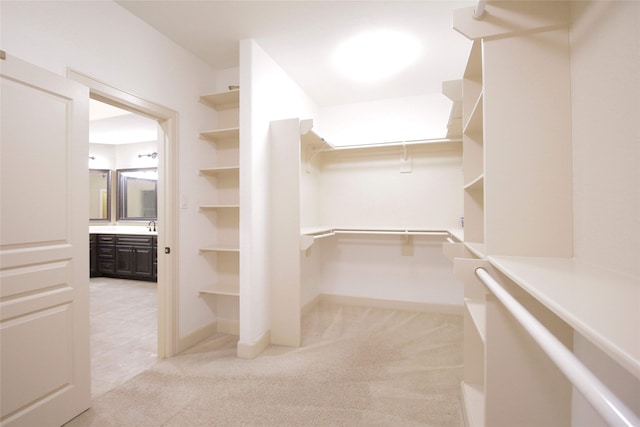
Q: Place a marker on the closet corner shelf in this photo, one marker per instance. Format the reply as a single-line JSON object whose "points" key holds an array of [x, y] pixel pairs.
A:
{"points": [[457, 233], [222, 100], [218, 134], [308, 235], [315, 141], [475, 121], [478, 249], [473, 70], [475, 184], [477, 311], [599, 304], [228, 290]]}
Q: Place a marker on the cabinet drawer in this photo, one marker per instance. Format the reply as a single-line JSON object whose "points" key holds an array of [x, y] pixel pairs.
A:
{"points": [[134, 240], [106, 266], [106, 251], [106, 238]]}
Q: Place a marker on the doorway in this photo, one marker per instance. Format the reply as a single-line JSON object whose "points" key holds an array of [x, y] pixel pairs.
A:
{"points": [[167, 154], [123, 172]]}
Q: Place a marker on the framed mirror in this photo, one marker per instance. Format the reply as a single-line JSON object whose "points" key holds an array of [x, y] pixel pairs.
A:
{"points": [[137, 194], [99, 195]]}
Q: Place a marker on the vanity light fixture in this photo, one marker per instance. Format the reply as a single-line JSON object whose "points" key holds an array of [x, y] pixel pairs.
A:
{"points": [[152, 155], [375, 55]]}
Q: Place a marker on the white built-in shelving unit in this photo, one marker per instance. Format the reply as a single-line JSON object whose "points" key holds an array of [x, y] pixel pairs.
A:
{"points": [[222, 204], [517, 154]]}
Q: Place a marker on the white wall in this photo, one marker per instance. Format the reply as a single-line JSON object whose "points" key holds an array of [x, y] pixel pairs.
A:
{"points": [[105, 156], [392, 268], [271, 95], [605, 65], [366, 188], [396, 119], [127, 155], [106, 42]]}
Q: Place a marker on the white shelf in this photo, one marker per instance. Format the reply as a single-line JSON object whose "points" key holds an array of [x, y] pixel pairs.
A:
{"points": [[476, 184], [315, 230], [220, 170], [601, 305], [478, 249], [477, 311], [473, 398], [227, 290], [219, 248], [457, 233], [473, 126], [217, 134], [217, 207], [222, 100]]}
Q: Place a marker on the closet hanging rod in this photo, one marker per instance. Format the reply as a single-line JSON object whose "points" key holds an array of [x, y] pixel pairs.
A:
{"points": [[392, 232], [478, 11], [607, 404], [320, 236], [395, 143]]}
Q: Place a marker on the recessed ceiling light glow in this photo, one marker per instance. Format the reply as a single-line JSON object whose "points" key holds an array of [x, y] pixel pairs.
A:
{"points": [[375, 55]]}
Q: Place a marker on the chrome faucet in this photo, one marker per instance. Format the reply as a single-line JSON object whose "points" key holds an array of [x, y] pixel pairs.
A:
{"points": [[154, 225]]}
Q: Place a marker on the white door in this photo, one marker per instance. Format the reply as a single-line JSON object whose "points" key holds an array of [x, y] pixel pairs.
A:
{"points": [[44, 247]]}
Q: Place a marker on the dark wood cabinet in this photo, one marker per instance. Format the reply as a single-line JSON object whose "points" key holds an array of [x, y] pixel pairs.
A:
{"points": [[126, 256], [134, 256], [106, 246], [93, 255]]}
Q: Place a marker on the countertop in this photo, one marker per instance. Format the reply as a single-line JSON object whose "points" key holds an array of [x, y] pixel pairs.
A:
{"points": [[121, 229]]}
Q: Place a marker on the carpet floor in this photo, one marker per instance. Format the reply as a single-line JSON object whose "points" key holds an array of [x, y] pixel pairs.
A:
{"points": [[357, 366]]}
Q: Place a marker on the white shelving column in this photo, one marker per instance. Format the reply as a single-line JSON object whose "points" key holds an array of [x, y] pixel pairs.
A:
{"points": [[517, 202], [223, 208]]}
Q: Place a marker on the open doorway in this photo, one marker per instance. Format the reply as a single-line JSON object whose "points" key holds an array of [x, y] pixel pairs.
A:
{"points": [[167, 207], [123, 214]]}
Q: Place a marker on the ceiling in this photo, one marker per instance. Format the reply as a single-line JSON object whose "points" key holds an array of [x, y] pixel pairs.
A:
{"points": [[302, 35], [115, 126]]}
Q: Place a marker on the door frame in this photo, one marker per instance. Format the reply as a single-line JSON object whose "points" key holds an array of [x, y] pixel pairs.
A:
{"points": [[168, 213]]}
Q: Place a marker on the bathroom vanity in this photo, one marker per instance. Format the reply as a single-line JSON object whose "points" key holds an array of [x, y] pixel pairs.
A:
{"points": [[125, 256]]}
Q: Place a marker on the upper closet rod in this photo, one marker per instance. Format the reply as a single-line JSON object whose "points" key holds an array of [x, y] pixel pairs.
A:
{"points": [[478, 12], [397, 143]]}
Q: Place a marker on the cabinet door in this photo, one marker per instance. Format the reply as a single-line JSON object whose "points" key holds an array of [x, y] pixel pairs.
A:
{"points": [[124, 260], [142, 262], [93, 256]]}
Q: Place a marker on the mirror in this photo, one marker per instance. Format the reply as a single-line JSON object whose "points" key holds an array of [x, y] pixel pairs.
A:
{"points": [[99, 195], [137, 194]]}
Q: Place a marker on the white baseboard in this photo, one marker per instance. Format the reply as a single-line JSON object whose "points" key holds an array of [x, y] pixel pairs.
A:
{"points": [[391, 304], [196, 336], [252, 350], [310, 305]]}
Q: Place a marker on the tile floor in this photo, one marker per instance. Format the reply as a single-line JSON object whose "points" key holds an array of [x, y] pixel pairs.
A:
{"points": [[123, 331]]}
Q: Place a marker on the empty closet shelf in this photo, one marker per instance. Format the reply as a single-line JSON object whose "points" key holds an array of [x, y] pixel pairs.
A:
{"points": [[307, 239]]}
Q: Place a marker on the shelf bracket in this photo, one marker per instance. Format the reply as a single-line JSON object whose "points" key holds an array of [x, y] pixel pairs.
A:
{"points": [[405, 161]]}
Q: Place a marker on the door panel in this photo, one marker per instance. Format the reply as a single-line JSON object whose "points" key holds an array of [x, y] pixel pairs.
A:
{"points": [[144, 262], [44, 265]]}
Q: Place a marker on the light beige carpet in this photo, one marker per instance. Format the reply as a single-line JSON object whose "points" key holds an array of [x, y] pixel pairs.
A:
{"points": [[357, 367]]}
